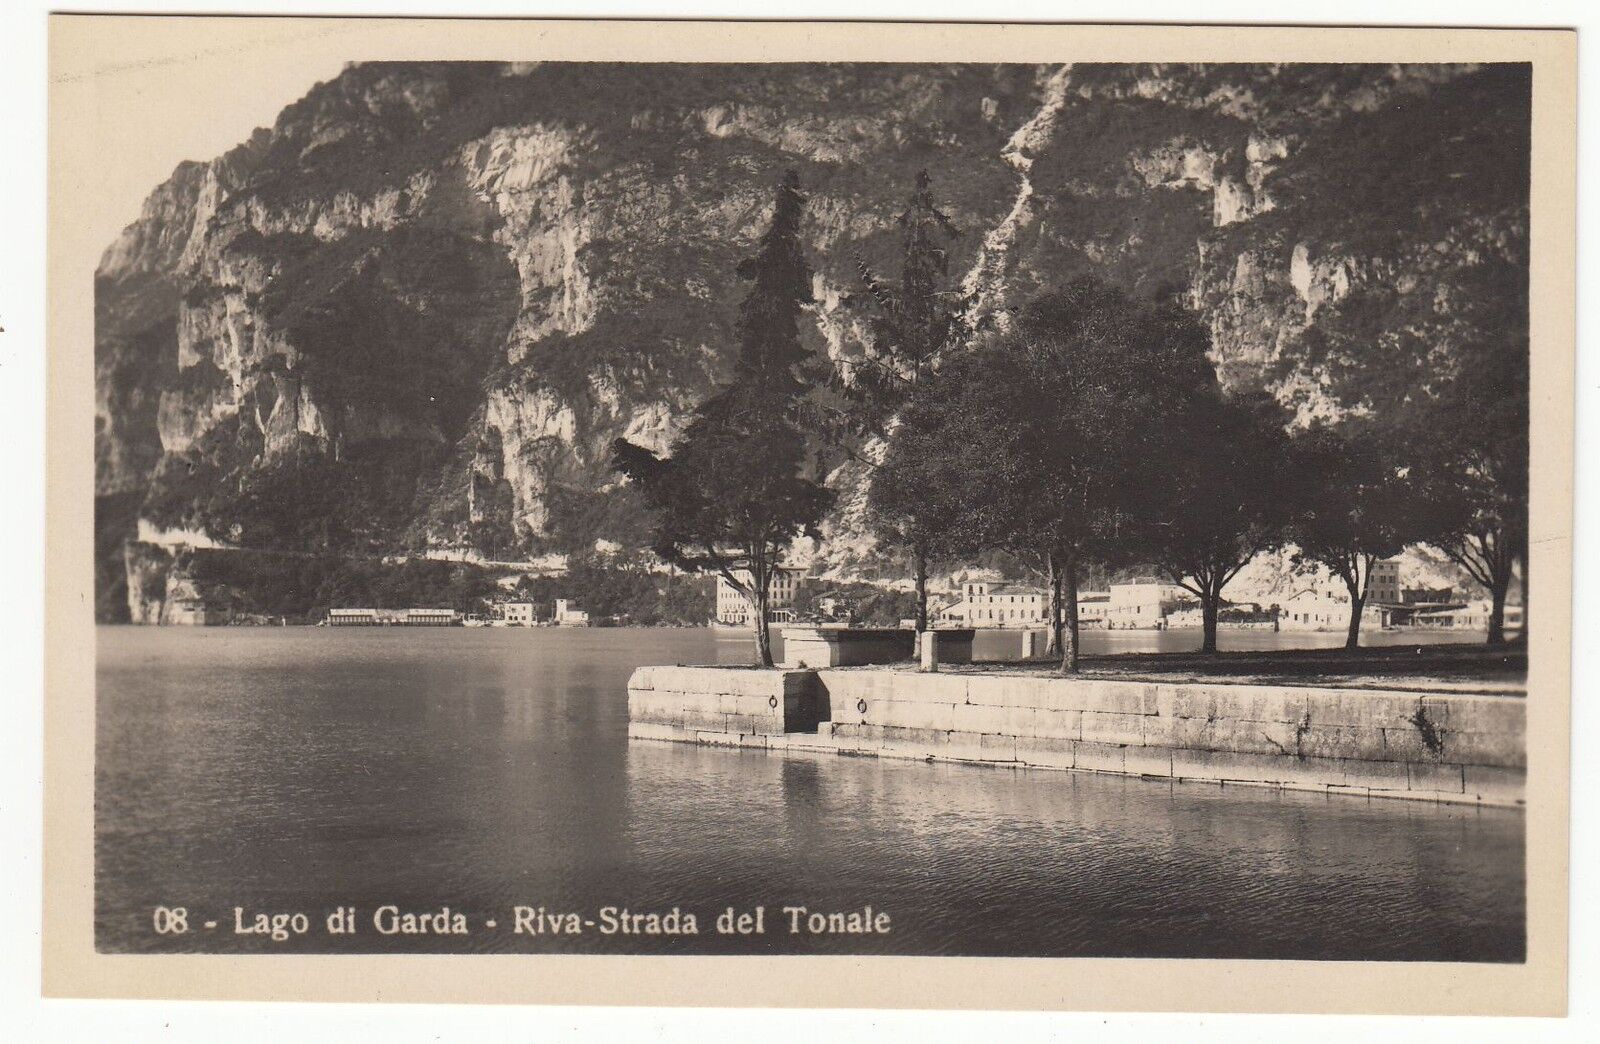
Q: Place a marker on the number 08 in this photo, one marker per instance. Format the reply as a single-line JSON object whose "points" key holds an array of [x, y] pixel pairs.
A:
{"points": [[174, 921]]}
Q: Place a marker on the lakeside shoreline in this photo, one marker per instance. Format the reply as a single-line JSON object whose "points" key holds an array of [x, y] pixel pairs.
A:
{"points": [[1460, 663], [1427, 744]]}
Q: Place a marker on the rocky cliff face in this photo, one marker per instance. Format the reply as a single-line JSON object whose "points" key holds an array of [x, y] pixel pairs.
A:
{"points": [[416, 311]]}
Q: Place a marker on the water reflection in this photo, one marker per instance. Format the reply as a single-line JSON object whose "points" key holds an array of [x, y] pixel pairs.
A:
{"points": [[302, 769]]}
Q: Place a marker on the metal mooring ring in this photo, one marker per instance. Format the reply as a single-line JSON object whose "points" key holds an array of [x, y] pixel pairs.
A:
{"points": [[772, 701], [861, 706]]}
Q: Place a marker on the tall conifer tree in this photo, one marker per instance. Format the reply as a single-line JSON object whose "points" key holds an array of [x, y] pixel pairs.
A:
{"points": [[732, 495], [912, 326]]}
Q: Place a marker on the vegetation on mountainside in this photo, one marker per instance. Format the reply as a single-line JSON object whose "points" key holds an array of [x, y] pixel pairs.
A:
{"points": [[403, 323], [1100, 214], [302, 499], [581, 517], [135, 357], [394, 331], [397, 119], [301, 588], [631, 596]]}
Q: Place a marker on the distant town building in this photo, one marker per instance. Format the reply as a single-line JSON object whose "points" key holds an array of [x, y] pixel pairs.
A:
{"points": [[984, 600], [734, 609], [192, 611], [987, 601], [517, 614], [1383, 582], [1093, 607], [569, 615], [1143, 602], [1324, 605], [354, 618], [394, 617], [429, 618], [1472, 616], [1315, 608]]}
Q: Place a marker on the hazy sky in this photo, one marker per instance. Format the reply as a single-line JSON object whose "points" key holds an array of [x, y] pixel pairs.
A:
{"points": [[158, 104]]}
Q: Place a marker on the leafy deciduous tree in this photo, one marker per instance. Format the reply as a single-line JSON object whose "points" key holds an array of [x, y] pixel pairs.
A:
{"points": [[1214, 496], [1426, 331], [1041, 436], [1471, 437], [1354, 507]]}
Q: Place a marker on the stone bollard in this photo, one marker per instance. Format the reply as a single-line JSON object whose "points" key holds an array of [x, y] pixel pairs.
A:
{"points": [[929, 651], [1027, 645]]}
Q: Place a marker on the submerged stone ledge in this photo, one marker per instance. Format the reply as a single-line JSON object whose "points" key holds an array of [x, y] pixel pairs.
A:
{"points": [[1428, 746]]}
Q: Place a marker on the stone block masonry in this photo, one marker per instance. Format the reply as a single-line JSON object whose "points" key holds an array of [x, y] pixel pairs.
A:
{"points": [[1364, 742], [727, 701]]}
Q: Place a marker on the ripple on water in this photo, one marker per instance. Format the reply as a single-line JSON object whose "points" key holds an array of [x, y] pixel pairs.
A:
{"points": [[304, 768]]}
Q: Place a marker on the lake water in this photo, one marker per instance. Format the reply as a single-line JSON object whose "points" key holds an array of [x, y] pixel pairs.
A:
{"points": [[301, 769]]}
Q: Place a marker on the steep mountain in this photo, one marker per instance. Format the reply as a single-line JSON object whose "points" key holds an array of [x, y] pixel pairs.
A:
{"points": [[415, 312]]}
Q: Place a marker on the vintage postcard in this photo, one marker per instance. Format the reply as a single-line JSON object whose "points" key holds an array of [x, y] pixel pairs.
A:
{"points": [[810, 514]]}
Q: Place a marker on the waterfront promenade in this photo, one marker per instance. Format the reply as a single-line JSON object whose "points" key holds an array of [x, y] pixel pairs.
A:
{"points": [[1440, 725]]}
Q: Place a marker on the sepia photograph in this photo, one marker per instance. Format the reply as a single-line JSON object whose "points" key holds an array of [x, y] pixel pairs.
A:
{"points": [[904, 508]]}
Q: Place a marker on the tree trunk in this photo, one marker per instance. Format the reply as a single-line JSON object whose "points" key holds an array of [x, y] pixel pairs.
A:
{"points": [[760, 587], [763, 646], [1210, 603], [1052, 638], [1497, 610], [1352, 637], [1069, 639], [920, 566]]}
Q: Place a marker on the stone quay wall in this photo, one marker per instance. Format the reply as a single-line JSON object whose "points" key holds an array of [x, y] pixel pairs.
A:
{"points": [[718, 704], [1430, 746]]}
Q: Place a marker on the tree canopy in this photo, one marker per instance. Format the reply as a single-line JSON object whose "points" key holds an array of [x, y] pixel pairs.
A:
{"points": [[1213, 497], [1041, 436], [1353, 506]]}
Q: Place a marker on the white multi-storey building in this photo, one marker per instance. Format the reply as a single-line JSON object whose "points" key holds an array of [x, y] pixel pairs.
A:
{"points": [[1325, 604], [517, 614], [1383, 583], [984, 600], [734, 609], [988, 602], [1092, 608], [1142, 602]]}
